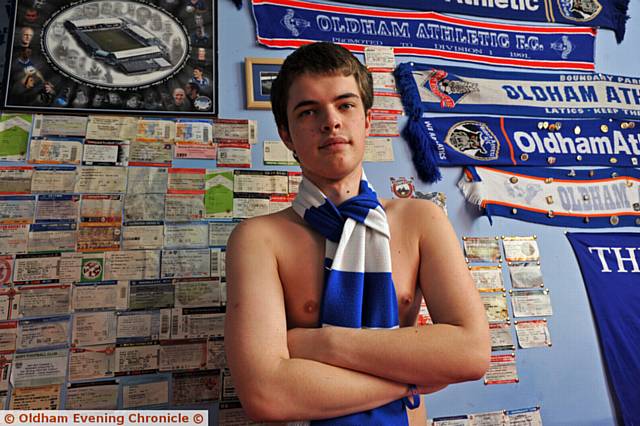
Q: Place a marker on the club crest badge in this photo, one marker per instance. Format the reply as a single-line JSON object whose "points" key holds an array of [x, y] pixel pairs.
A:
{"points": [[402, 187], [563, 46], [294, 25], [579, 10], [449, 90], [92, 270], [473, 139]]}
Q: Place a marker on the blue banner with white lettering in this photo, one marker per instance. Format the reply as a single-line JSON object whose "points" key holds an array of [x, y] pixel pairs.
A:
{"points": [[293, 23], [508, 141], [611, 14], [428, 88], [609, 263]]}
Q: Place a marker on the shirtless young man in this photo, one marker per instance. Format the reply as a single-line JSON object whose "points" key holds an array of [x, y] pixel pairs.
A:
{"points": [[283, 366]]}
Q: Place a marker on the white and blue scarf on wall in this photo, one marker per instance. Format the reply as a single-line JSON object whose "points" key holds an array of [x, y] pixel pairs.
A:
{"points": [[359, 290]]}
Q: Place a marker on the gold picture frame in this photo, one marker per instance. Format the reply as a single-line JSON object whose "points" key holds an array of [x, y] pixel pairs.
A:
{"points": [[259, 74]]}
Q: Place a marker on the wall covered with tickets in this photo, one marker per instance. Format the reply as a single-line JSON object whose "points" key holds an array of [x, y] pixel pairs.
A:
{"points": [[112, 245]]}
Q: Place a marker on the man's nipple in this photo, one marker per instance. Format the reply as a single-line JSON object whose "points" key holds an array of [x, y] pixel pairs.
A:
{"points": [[311, 307]]}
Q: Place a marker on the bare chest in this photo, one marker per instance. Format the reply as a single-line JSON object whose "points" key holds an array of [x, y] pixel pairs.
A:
{"points": [[302, 275]]}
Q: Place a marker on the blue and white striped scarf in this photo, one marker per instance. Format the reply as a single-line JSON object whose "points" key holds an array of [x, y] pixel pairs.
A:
{"points": [[359, 290]]}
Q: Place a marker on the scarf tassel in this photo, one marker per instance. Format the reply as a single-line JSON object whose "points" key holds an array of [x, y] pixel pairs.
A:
{"points": [[424, 153], [472, 191], [620, 8]]}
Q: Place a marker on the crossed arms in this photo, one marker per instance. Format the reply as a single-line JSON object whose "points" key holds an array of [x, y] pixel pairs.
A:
{"points": [[334, 371]]}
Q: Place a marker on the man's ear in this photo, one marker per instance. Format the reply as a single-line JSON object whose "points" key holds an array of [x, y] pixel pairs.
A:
{"points": [[285, 136]]}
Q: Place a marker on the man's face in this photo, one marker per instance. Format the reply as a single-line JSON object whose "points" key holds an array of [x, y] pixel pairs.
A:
{"points": [[91, 10], [106, 8], [178, 96], [197, 73], [327, 125], [142, 15], [26, 36], [72, 59]]}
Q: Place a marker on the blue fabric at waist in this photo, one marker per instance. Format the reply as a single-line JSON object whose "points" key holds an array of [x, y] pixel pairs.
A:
{"points": [[391, 414]]}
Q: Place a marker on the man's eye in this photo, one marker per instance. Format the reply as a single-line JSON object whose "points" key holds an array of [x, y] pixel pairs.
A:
{"points": [[306, 112], [347, 106]]}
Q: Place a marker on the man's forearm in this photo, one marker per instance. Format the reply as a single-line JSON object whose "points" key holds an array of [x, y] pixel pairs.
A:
{"points": [[301, 389], [434, 355]]}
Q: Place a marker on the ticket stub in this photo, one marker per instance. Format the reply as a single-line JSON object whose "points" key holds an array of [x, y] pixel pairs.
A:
{"points": [[59, 125], [53, 179]]}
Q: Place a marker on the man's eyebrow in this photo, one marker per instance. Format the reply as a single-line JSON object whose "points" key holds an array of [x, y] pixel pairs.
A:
{"points": [[342, 96]]}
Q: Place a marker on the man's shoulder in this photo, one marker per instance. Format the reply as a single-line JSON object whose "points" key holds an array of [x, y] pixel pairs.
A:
{"points": [[412, 208], [267, 226]]}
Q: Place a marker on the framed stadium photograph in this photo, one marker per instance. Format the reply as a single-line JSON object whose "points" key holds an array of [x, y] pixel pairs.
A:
{"points": [[259, 74], [147, 56]]}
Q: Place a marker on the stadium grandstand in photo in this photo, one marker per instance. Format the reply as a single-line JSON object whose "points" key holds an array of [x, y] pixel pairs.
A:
{"points": [[120, 43]]}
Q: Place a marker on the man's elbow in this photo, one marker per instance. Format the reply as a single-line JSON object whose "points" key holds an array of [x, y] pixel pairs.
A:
{"points": [[478, 357], [264, 404], [259, 407]]}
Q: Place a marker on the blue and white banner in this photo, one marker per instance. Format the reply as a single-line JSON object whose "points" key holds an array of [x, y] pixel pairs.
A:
{"points": [[610, 14], [609, 265], [293, 23], [429, 88], [601, 198], [507, 141]]}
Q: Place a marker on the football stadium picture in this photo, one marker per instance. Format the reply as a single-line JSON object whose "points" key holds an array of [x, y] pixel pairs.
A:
{"points": [[120, 43], [150, 56]]}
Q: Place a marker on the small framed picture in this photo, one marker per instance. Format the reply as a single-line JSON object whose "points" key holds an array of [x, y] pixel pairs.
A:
{"points": [[259, 75]]}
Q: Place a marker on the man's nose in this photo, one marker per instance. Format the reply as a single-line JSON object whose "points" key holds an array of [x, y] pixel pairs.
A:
{"points": [[332, 120]]}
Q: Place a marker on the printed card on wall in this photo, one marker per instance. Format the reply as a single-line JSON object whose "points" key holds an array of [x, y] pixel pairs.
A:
{"points": [[481, 249], [495, 306], [533, 333], [502, 369], [36, 398], [526, 275], [460, 420], [529, 416], [218, 198], [531, 303], [145, 394], [92, 396], [521, 249], [501, 338], [14, 136], [38, 301], [59, 125], [39, 368], [494, 418], [94, 362], [145, 57], [196, 387], [487, 278]]}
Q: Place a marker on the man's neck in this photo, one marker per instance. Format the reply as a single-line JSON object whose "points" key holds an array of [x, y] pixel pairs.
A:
{"points": [[338, 191]]}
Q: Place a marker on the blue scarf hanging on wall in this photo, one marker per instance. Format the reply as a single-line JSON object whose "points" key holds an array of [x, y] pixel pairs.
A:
{"points": [[293, 23], [611, 14]]}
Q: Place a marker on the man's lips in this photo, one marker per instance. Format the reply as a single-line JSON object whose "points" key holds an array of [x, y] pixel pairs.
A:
{"points": [[334, 141]]}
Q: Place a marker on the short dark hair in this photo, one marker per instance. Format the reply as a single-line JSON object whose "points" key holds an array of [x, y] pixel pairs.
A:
{"points": [[322, 59]]}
